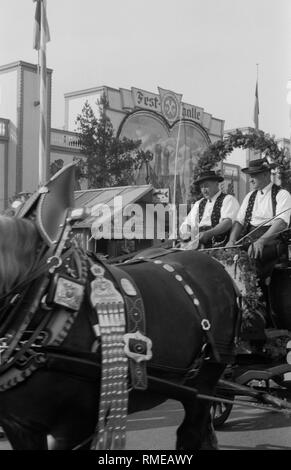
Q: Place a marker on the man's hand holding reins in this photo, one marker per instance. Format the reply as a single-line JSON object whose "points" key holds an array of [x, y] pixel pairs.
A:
{"points": [[256, 249], [205, 237]]}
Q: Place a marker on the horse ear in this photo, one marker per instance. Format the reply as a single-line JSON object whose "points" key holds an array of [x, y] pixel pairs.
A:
{"points": [[49, 205]]}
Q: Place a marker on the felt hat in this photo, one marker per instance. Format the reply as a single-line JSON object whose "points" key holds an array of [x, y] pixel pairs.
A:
{"points": [[209, 175], [259, 165]]}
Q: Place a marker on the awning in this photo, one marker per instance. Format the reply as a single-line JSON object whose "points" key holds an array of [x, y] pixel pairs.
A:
{"points": [[94, 197]]}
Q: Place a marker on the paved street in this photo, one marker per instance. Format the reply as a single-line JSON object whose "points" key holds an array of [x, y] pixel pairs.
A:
{"points": [[245, 429]]}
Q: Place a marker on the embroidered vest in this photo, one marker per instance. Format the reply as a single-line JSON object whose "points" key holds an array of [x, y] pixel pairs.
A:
{"points": [[249, 211], [216, 213]]}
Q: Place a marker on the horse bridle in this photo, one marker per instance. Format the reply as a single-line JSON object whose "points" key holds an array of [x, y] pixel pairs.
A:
{"points": [[47, 261]]}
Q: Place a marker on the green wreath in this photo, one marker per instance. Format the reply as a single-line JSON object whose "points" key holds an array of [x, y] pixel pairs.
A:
{"points": [[256, 140]]}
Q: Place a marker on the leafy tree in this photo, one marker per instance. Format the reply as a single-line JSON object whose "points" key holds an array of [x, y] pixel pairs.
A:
{"points": [[55, 166], [109, 161]]}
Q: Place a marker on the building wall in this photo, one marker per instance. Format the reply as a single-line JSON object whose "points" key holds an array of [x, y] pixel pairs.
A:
{"points": [[8, 110], [19, 92], [75, 101], [8, 94]]}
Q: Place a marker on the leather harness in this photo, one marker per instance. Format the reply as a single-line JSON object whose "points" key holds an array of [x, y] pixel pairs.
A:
{"points": [[204, 321], [138, 346]]}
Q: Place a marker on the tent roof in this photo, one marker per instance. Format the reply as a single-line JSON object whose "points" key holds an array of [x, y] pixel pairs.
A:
{"points": [[93, 197]]}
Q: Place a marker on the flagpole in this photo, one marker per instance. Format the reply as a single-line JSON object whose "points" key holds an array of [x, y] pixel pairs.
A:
{"points": [[257, 90], [256, 108], [42, 155], [174, 228]]}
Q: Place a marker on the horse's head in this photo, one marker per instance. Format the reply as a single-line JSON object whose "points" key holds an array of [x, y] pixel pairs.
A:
{"points": [[20, 237], [18, 244]]}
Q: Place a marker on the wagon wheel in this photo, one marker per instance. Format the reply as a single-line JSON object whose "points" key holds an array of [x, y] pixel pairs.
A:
{"points": [[219, 413]]}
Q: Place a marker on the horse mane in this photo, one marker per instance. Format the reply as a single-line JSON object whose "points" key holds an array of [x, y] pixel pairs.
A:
{"points": [[18, 245]]}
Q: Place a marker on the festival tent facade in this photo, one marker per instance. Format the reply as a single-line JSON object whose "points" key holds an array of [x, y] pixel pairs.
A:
{"points": [[160, 120]]}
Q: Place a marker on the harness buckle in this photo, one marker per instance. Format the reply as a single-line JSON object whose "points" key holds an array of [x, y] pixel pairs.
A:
{"points": [[205, 323], [54, 262], [137, 346]]}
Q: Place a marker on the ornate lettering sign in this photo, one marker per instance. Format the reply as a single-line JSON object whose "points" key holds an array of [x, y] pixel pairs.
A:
{"points": [[170, 105], [144, 99], [166, 103], [192, 112]]}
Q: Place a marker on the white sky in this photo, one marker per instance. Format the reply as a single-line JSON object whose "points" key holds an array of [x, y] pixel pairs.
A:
{"points": [[205, 49]]}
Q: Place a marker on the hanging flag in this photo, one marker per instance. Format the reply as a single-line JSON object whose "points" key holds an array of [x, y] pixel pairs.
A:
{"points": [[37, 25], [256, 108]]}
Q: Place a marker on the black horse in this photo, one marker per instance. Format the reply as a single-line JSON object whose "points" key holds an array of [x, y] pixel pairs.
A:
{"points": [[53, 388]]}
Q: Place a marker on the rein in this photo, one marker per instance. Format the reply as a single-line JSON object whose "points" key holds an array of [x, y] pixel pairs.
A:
{"points": [[34, 273], [17, 297], [46, 265], [262, 224], [275, 404]]}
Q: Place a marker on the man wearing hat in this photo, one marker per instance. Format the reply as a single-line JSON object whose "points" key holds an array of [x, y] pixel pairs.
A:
{"points": [[211, 218], [265, 201], [259, 209]]}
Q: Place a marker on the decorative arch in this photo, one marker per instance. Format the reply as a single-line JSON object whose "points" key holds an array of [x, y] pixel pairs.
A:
{"points": [[256, 140], [160, 138]]}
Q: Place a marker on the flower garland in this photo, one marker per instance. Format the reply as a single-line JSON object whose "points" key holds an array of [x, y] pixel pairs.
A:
{"points": [[256, 140], [243, 271]]}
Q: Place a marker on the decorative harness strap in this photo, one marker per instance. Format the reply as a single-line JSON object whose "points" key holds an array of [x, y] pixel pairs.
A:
{"points": [[249, 211], [137, 345], [111, 305], [205, 323], [110, 326]]}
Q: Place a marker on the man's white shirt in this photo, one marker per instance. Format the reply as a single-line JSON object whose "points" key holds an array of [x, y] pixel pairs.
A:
{"points": [[263, 208], [191, 224]]}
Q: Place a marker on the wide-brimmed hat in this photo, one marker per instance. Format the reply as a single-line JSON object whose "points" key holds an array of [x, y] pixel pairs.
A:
{"points": [[209, 175], [258, 166]]}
